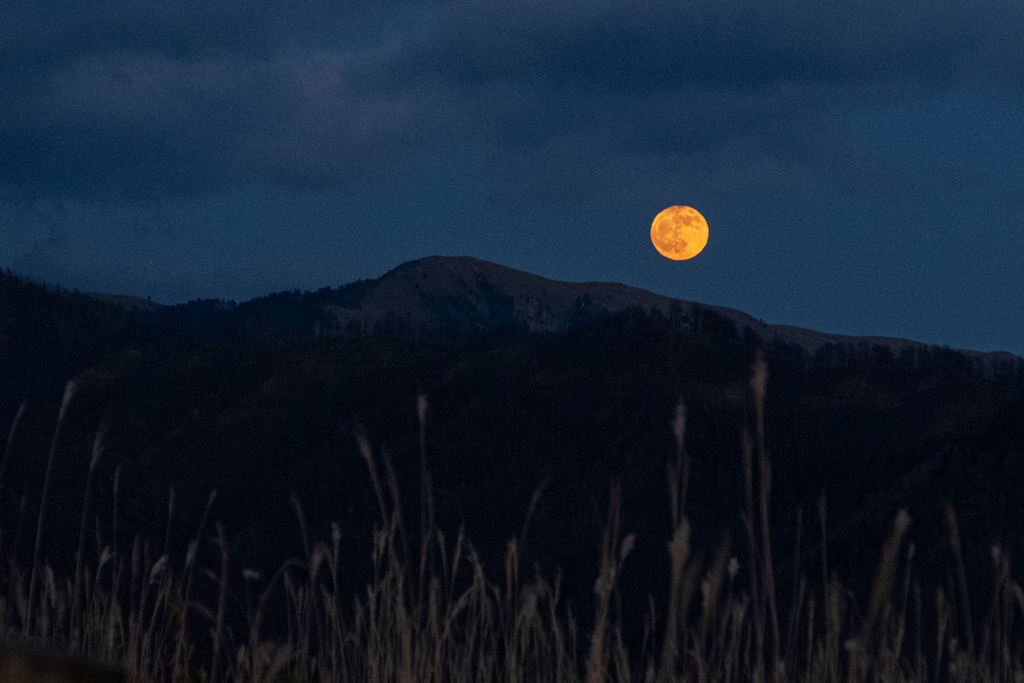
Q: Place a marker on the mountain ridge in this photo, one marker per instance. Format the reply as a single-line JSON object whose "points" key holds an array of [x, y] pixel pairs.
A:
{"points": [[502, 295], [465, 294]]}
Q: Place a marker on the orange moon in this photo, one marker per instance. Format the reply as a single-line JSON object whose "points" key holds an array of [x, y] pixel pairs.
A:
{"points": [[679, 232]]}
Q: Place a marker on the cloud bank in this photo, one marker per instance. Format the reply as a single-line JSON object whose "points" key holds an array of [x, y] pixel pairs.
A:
{"points": [[144, 101]]}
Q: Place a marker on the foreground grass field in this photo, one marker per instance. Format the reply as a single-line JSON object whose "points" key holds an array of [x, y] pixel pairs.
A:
{"points": [[432, 614]]}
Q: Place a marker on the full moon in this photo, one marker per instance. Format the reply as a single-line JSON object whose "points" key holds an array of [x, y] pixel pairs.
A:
{"points": [[679, 232]]}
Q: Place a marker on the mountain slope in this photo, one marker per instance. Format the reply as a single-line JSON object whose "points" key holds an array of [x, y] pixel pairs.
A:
{"points": [[442, 298], [469, 294]]}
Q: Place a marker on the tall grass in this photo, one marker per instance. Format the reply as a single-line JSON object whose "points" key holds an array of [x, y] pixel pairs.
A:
{"points": [[431, 614]]}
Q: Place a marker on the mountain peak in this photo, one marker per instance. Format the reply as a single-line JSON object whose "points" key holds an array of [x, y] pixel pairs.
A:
{"points": [[471, 294]]}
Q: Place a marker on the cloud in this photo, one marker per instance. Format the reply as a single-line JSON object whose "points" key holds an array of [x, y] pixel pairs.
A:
{"points": [[560, 101], [143, 127], [658, 44]]}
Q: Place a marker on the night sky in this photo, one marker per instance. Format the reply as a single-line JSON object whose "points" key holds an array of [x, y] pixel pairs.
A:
{"points": [[860, 162]]}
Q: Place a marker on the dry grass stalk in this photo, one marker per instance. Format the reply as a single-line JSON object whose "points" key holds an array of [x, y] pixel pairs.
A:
{"points": [[612, 556], [222, 598], [10, 441], [753, 551], [758, 384], [97, 448], [961, 575], [69, 391]]}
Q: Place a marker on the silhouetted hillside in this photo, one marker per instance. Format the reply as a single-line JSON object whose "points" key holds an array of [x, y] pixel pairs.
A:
{"points": [[261, 400], [439, 299]]}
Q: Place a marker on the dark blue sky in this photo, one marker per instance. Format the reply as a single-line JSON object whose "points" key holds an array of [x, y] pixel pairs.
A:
{"points": [[860, 163]]}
